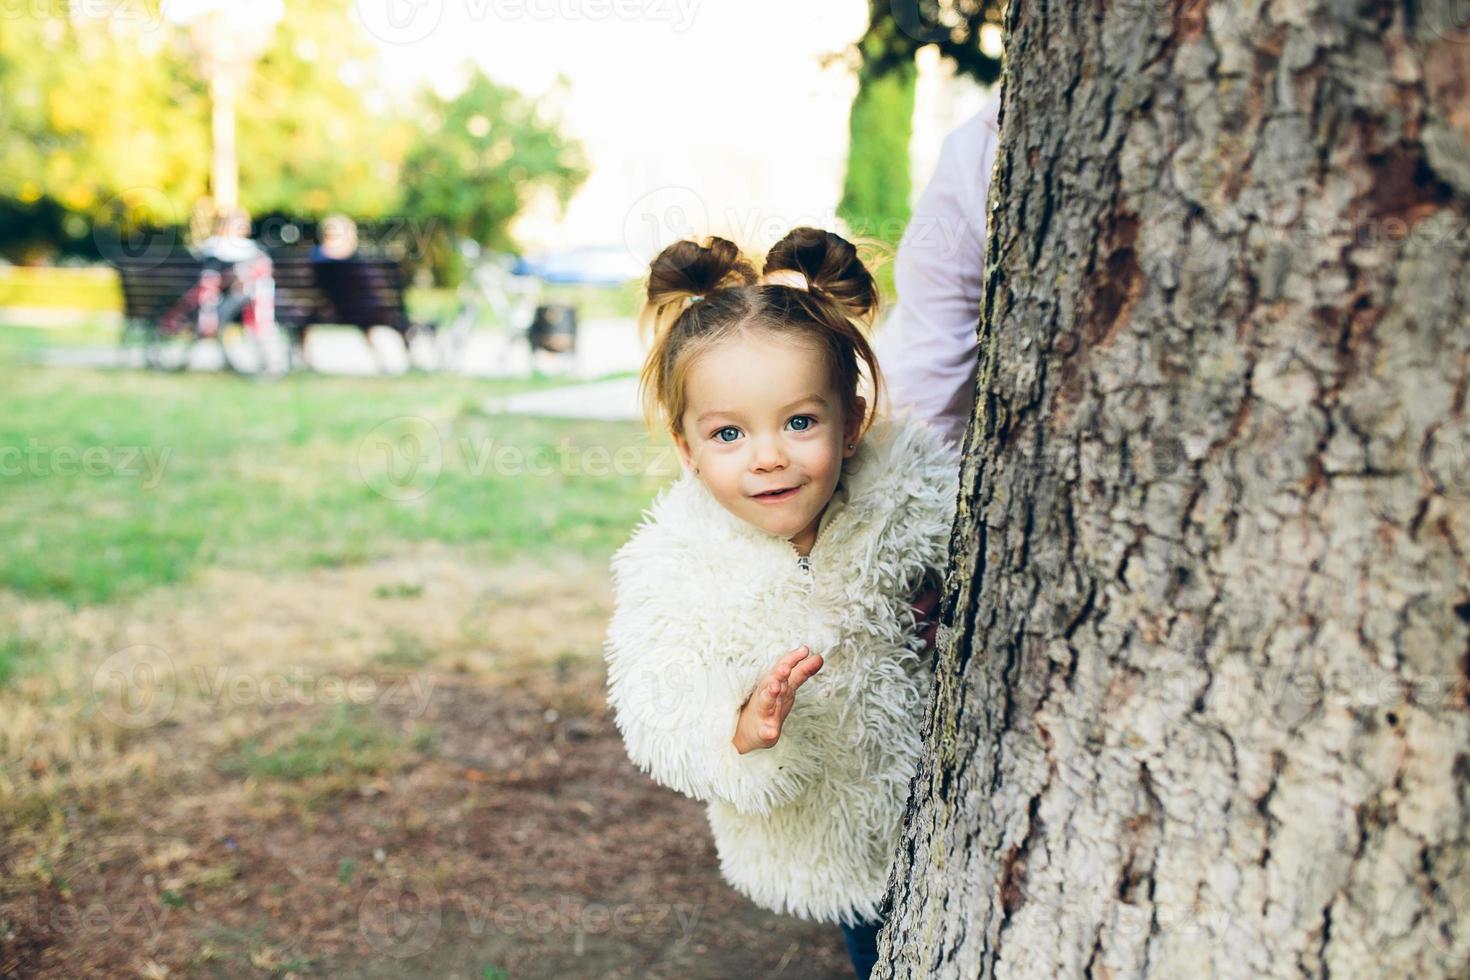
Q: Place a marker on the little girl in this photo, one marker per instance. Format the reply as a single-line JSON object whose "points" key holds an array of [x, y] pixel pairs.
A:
{"points": [[763, 653]]}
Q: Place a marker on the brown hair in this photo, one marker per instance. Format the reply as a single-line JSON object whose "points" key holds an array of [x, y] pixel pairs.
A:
{"points": [[700, 295]]}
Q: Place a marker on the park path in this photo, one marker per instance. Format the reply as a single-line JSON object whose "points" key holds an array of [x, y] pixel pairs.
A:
{"points": [[605, 345]]}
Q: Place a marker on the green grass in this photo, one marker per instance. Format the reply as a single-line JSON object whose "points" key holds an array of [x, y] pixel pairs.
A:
{"points": [[115, 482], [404, 649], [17, 654], [343, 742], [24, 340]]}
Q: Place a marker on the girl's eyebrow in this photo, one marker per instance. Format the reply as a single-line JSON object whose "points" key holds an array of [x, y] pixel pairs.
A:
{"points": [[735, 415]]}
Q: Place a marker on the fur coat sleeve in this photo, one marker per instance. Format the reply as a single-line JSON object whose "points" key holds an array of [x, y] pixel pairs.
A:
{"points": [[676, 687], [705, 604]]}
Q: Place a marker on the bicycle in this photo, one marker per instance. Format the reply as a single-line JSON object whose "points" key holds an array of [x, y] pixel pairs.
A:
{"points": [[169, 342], [253, 344], [491, 291]]}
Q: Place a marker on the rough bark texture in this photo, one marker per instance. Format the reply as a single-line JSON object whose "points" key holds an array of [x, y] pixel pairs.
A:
{"points": [[1201, 698]]}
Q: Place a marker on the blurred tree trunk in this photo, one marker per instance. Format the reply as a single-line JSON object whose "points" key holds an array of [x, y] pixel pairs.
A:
{"points": [[1201, 706], [877, 187]]}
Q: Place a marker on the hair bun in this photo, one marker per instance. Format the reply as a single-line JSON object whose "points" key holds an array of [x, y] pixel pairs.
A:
{"points": [[687, 268], [686, 273], [827, 263]]}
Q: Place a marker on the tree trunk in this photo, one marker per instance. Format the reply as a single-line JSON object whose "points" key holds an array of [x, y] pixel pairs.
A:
{"points": [[1201, 701]]}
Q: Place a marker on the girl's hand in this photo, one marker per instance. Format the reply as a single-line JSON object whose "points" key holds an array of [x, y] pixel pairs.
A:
{"points": [[765, 711]]}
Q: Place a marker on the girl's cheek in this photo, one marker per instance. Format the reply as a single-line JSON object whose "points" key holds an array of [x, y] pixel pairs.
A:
{"points": [[724, 449]]}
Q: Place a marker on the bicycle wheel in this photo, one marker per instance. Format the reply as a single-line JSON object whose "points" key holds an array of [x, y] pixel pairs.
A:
{"points": [[169, 345], [451, 342], [422, 344], [260, 352]]}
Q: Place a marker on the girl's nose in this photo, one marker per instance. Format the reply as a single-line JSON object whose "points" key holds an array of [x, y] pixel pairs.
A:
{"points": [[769, 454]]}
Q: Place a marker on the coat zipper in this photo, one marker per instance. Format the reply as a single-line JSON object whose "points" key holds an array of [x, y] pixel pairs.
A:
{"points": [[804, 562]]}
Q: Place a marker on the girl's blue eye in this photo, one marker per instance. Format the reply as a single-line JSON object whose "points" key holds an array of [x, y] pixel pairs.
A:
{"points": [[806, 423]]}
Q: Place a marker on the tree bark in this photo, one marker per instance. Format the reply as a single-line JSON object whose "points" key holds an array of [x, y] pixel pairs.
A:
{"points": [[1201, 696]]}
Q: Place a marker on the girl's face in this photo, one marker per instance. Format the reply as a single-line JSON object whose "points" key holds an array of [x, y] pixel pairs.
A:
{"points": [[761, 416]]}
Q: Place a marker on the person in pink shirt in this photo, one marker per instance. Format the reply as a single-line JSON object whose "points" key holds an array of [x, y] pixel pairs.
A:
{"points": [[928, 346]]}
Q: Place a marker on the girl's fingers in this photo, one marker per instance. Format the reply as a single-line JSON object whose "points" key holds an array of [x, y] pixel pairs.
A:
{"points": [[806, 669], [781, 673], [793, 657]]}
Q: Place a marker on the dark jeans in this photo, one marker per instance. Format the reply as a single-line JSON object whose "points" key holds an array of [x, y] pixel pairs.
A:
{"points": [[862, 946]]}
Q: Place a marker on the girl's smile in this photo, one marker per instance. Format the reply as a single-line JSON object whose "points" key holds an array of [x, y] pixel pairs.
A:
{"points": [[778, 496]]}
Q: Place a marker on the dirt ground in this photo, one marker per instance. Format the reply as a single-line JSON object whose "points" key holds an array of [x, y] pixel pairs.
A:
{"points": [[402, 769]]}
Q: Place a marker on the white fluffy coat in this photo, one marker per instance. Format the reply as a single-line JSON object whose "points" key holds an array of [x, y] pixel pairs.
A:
{"points": [[705, 604]]}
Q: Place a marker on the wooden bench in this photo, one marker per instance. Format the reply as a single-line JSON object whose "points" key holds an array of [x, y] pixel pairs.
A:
{"points": [[362, 292], [151, 286]]}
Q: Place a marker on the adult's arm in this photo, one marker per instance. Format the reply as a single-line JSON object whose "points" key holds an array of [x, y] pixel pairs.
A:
{"points": [[928, 347]]}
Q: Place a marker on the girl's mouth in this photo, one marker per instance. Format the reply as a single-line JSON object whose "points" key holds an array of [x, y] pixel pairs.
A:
{"points": [[777, 497]]}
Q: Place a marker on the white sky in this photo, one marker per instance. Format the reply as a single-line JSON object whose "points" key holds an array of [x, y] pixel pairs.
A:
{"points": [[698, 116]]}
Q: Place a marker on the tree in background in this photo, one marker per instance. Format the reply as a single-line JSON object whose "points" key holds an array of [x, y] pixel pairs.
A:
{"points": [[316, 135], [478, 158], [875, 193], [118, 116], [117, 129]]}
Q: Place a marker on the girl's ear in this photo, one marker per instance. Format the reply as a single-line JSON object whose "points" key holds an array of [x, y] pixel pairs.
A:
{"points": [[686, 456], [853, 426]]}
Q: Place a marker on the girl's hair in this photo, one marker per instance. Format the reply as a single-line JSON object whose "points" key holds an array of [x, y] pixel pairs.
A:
{"points": [[700, 295]]}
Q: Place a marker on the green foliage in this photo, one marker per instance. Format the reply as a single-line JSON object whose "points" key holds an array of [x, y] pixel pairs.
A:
{"points": [[897, 29], [479, 158], [118, 127], [60, 288], [93, 108]]}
